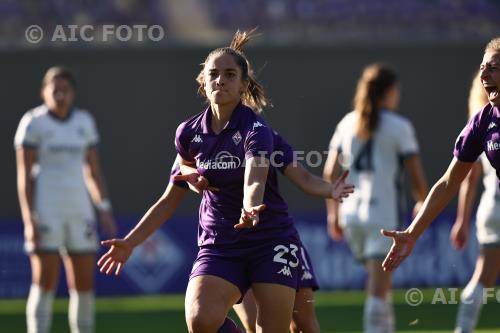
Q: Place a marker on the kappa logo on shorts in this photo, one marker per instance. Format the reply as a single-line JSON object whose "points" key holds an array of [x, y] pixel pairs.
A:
{"points": [[285, 271], [237, 138], [306, 276]]}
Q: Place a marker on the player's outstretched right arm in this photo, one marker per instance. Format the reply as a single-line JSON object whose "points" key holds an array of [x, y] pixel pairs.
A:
{"points": [[439, 196], [121, 249]]}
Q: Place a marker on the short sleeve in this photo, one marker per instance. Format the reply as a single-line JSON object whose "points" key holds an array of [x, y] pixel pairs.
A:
{"points": [[176, 170], [26, 134], [336, 140], [407, 140], [92, 134], [259, 141], [283, 154], [182, 142], [468, 144]]}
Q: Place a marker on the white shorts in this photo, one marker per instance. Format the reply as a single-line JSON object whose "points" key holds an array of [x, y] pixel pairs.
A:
{"points": [[366, 242], [64, 233], [488, 227]]}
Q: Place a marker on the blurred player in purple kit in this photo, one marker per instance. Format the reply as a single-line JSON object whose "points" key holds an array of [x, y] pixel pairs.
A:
{"points": [[487, 223], [56, 148], [480, 135], [374, 142]]}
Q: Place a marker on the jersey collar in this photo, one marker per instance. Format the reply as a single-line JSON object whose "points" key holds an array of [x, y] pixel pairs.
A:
{"points": [[231, 124], [56, 117]]}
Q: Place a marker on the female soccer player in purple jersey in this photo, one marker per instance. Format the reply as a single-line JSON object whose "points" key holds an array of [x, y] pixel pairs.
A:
{"points": [[232, 259], [480, 135], [56, 149], [246, 237], [487, 223], [373, 141], [304, 316]]}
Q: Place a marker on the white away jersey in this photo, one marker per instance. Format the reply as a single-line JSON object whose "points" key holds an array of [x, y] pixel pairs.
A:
{"points": [[61, 147], [375, 168]]}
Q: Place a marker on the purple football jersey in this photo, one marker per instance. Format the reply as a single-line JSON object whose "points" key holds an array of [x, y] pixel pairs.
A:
{"points": [[481, 134], [221, 159], [282, 156]]}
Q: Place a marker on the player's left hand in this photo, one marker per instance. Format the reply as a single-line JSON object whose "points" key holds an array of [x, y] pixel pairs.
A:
{"points": [[401, 248], [340, 189], [108, 224], [250, 218]]}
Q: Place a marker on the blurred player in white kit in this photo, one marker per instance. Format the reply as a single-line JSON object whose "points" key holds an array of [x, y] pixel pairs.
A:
{"points": [[57, 168]]}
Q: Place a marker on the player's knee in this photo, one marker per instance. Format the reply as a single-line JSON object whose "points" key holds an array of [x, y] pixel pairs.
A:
{"points": [[201, 320], [47, 281]]}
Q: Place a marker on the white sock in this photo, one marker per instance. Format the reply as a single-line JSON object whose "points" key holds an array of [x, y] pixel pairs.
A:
{"points": [[39, 310], [81, 312], [471, 301], [375, 315], [390, 321]]}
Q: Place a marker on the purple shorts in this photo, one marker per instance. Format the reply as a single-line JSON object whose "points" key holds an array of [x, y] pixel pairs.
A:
{"points": [[276, 261], [307, 278]]}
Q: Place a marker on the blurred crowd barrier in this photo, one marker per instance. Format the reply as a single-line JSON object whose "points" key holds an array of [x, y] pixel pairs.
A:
{"points": [[284, 21]]}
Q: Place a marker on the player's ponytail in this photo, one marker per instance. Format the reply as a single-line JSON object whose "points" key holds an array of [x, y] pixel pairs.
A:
{"points": [[371, 89]]}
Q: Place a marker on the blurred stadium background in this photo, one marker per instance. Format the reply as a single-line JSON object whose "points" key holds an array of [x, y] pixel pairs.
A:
{"points": [[308, 57]]}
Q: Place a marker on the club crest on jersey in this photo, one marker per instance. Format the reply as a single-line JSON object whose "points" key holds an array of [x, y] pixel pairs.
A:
{"points": [[197, 139], [237, 138]]}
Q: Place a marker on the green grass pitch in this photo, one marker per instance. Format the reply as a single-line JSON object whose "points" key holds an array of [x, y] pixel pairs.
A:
{"points": [[337, 312]]}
